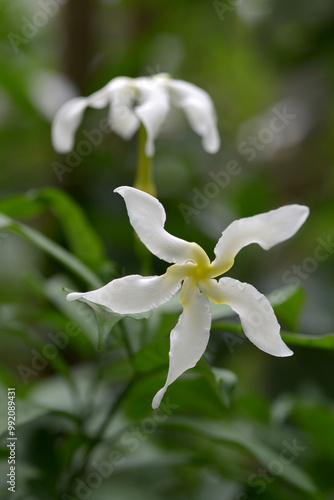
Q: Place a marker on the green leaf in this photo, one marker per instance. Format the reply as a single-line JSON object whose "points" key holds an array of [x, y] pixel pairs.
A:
{"points": [[8, 379], [314, 341], [56, 361], [53, 394], [189, 394], [222, 381], [241, 436], [21, 206], [51, 248], [152, 356], [81, 316], [317, 419], [255, 407], [81, 237], [289, 310], [283, 295]]}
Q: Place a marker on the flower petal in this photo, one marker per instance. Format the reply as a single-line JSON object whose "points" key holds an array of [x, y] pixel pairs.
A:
{"points": [[69, 116], [133, 294], [124, 120], [266, 229], [199, 109], [188, 339], [66, 122], [256, 314], [152, 110], [147, 217]]}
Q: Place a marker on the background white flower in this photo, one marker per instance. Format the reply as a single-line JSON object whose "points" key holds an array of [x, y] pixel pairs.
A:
{"points": [[145, 100], [192, 268]]}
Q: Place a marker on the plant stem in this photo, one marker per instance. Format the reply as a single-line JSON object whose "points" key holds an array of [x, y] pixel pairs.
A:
{"points": [[145, 182], [144, 174]]}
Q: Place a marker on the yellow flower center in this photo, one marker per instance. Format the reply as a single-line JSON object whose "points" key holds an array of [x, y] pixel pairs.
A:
{"points": [[199, 273]]}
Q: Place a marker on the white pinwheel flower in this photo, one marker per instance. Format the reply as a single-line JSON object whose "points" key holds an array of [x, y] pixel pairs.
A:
{"points": [[192, 271], [145, 100]]}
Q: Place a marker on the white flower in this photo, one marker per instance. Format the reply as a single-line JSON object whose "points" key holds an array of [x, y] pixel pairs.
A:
{"points": [[192, 268], [145, 100]]}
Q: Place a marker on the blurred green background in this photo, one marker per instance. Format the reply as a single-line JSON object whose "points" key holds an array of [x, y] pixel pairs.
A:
{"points": [[256, 58]]}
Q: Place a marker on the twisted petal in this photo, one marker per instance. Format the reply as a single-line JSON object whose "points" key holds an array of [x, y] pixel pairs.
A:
{"points": [[147, 217], [152, 109], [199, 109], [188, 339], [266, 229], [256, 314], [133, 294]]}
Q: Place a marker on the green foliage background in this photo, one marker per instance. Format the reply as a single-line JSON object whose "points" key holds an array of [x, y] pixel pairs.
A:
{"points": [[226, 423]]}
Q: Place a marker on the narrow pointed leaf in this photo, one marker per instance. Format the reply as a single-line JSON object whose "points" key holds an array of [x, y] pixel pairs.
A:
{"points": [[313, 341], [80, 235], [152, 356], [51, 248]]}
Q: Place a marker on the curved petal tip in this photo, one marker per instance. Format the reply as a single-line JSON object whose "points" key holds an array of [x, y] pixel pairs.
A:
{"points": [[157, 398], [74, 296]]}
